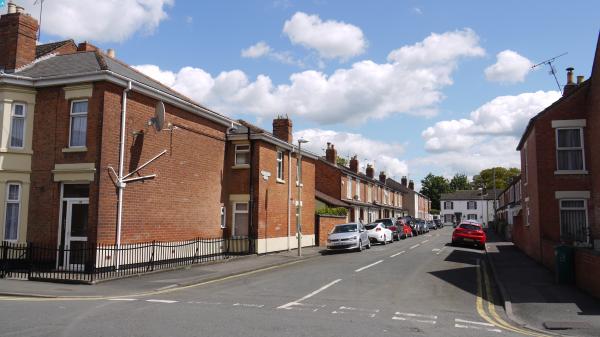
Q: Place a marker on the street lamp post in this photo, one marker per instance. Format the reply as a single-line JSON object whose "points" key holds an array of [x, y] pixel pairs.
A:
{"points": [[299, 199]]}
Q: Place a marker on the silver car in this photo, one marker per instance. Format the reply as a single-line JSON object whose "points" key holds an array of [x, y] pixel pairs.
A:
{"points": [[349, 236]]}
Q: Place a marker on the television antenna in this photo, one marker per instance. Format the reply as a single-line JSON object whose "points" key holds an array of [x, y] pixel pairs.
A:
{"points": [[41, 2], [552, 69]]}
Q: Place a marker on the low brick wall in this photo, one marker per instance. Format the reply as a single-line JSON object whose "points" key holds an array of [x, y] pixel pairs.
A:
{"points": [[325, 224], [587, 271]]}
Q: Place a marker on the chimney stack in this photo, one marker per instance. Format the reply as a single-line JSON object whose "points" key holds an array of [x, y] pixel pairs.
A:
{"points": [[331, 153], [411, 185], [580, 79], [370, 171], [404, 181], [570, 84], [86, 46], [282, 129], [354, 164], [382, 177], [18, 36]]}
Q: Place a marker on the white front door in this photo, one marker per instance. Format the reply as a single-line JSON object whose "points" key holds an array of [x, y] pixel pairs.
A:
{"points": [[73, 235]]}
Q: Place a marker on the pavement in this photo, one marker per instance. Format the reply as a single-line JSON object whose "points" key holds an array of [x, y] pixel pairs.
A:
{"points": [[533, 298], [167, 279], [419, 286]]}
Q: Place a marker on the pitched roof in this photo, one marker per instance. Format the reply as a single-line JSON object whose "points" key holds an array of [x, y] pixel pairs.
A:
{"points": [[329, 199], [397, 186], [43, 49], [470, 195]]}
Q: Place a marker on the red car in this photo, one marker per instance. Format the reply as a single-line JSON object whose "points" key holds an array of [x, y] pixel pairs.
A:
{"points": [[469, 233], [406, 230]]}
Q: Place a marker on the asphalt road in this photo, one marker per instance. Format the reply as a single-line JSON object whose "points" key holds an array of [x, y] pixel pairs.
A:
{"points": [[415, 287]]}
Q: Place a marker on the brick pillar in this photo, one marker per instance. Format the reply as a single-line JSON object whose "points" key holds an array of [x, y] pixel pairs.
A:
{"points": [[18, 36]]}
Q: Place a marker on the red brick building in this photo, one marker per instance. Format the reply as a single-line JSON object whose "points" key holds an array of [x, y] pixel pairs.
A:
{"points": [[367, 198], [560, 165], [181, 168]]}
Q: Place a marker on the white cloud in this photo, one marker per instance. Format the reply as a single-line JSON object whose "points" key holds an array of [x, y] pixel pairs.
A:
{"points": [[103, 21], [331, 39], [410, 83], [257, 50], [488, 137], [510, 67], [384, 155], [417, 10]]}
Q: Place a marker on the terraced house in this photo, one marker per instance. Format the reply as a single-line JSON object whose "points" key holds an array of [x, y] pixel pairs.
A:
{"points": [[95, 153], [367, 198]]}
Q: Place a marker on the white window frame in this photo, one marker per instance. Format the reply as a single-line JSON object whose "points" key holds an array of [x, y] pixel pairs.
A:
{"points": [[349, 188], [13, 116], [584, 208], [18, 202], [71, 114], [473, 203], [357, 189], [279, 164], [223, 217], [235, 211], [448, 203], [472, 216], [239, 150], [386, 196], [370, 193], [582, 148]]}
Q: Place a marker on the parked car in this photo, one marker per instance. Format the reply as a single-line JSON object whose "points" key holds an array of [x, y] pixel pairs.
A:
{"points": [[348, 237], [469, 233], [431, 225], [391, 224], [438, 223], [412, 223], [377, 232], [422, 226], [406, 229]]}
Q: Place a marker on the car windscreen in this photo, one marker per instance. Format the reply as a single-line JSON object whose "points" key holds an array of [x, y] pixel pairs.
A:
{"points": [[385, 222], [470, 227], [344, 229]]}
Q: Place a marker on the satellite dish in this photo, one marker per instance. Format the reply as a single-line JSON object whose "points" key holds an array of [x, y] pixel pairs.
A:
{"points": [[159, 116]]}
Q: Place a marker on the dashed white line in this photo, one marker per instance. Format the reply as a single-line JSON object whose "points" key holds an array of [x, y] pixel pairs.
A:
{"points": [[424, 241], [413, 319], [439, 251], [456, 325], [162, 301], [123, 299], [402, 252], [415, 246], [415, 315], [291, 304], [477, 326], [471, 322], [248, 305], [368, 266]]}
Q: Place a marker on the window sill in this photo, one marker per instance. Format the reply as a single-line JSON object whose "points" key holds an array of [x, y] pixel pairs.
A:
{"points": [[240, 166], [16, 150], [75, 149], [280, 181], [562, 172], [301, 185]]}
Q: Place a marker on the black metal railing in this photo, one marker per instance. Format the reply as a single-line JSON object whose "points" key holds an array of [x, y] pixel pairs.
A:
{"points": [[86, 263]]}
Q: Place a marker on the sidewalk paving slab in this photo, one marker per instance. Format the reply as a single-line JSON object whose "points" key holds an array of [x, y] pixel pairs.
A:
{"points": [[532, 297], [144, 283]]}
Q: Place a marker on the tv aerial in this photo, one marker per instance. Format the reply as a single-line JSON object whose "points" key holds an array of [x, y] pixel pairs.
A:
{"points": [[552, 69]]}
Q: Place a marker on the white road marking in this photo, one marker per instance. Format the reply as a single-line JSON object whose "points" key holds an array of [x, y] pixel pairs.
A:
{"points": [[471, 322], [248, 305], [368, 266], [424, 241], [415, 246], [456, 325], [413, 319], [304, 306], [290, 304], [167, 287], [204, 302], [439, 251], [162, 301], [123, 299], [345, 310], [435, 249], [402, 252], [415, 315]]}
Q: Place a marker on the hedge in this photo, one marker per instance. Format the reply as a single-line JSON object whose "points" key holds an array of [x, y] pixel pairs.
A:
{"points": [[338, 211]]}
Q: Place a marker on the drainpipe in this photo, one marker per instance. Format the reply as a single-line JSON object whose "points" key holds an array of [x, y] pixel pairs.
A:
{"points": [[289, 198], [120, 183], [250, 202]]}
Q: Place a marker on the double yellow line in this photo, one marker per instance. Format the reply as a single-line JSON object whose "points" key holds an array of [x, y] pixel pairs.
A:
{"points": [[486, 299]]}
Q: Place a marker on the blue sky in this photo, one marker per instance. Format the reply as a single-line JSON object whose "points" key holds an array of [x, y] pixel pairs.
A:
{"points": [[331, 70]]}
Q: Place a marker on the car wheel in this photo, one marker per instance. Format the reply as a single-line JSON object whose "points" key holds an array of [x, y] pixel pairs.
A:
{"points": [[384, 240], [369, 245], [360, 246]]}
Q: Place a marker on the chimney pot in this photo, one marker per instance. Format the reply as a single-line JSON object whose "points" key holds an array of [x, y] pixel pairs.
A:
{"points": [[111, 53], [580, 79], [20, 9], [570, 75], [331, 154], [12, 8], [282, 129], [354, 164]]}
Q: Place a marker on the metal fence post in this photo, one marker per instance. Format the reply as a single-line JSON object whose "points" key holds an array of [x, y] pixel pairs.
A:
{"points": [[152, 256]]}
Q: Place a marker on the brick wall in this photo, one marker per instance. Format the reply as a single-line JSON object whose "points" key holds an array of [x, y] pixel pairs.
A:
{"points": [[184, 200], [587, 271], [325, 224], [328, 180], [18, 35]]}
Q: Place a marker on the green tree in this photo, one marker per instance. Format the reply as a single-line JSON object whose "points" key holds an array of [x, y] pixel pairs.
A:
{"points": [[341, 161], [433, 186], [460, 181], [504, 176]]}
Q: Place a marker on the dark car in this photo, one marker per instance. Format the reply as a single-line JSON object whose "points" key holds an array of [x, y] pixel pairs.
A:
{"points": [[438, 223], [392, 224]]}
